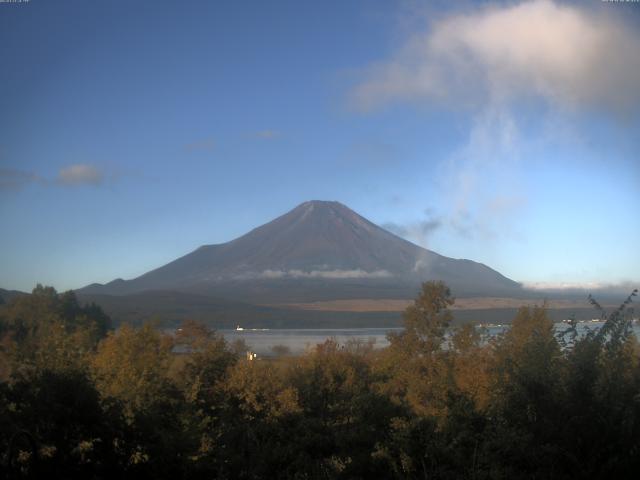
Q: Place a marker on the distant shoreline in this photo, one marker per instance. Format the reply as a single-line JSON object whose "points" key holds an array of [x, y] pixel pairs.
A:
{"points": [[398, 305]]}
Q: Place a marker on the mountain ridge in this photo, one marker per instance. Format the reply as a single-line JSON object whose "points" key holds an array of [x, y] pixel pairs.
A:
{"points": [[321, 245]]}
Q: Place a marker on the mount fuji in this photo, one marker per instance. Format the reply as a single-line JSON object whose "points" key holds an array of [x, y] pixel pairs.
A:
{"points": [[318, 251]]}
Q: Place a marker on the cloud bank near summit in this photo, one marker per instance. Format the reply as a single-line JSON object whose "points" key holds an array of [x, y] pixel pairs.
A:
{"points": [[332, 274]]}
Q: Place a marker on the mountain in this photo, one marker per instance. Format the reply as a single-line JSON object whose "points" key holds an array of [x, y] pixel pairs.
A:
{"points": [[317, 251], [7, 295]]}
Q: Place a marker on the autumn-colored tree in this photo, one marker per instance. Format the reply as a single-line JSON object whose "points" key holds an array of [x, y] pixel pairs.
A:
{"points": [[131, 365], [414, 364], [427, 319], [344, 414], [246, 429], [131, 369], [439, 402], [469, 365], [53, 420]]}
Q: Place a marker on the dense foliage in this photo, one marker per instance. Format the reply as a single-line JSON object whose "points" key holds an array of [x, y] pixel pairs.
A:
{"points": [[80, 401]]}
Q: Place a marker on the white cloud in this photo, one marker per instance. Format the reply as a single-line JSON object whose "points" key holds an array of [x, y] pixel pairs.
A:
{"points": [[565, 54], [564, 285], [267, 134], [80, 174], [490, 61], [330, 274], [621, 289]]}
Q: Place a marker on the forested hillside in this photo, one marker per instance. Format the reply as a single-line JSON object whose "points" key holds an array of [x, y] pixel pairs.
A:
{"points": [[78, 400]]}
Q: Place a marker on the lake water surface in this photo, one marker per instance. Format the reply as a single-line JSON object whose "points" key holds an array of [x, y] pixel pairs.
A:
{"points": [[298, 340], [262, 341]]}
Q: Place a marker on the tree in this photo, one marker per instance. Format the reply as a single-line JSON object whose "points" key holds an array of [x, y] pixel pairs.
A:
{"points": [[427, 319], [601, 431], [344, 415], [468, 361], [55, 426], [527, 395], [208, 358], [414, 366], [250, 433], [50, 330], [131, 365], [131, 370], [200, 369]]}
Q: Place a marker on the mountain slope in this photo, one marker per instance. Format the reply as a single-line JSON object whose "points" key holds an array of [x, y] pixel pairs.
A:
{"points": [[318, 250], [8, 295]]}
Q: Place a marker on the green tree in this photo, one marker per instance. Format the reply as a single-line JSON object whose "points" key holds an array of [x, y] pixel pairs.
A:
{"points": [[344, 415], [50, 330], [527, 397], [54, 426], [427, 319], [601, 429], [206, 361], [200, 369]]}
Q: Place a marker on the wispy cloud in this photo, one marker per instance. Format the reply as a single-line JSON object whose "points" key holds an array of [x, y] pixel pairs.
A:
{"points": [[418, 232], [267, 134], [486, 174], [204, 145], [69, 176], [80, 174], [12, 179], [483, 221]]}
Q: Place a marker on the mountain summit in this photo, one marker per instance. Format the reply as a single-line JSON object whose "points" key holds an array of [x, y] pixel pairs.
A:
{"points": [[319, 246]]}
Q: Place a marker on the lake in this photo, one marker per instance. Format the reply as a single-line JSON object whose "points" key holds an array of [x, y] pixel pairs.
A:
{"points": [[262, 341]]}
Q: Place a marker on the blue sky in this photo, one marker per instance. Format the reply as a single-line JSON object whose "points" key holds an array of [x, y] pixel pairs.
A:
{"points": [[133, 132]]}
